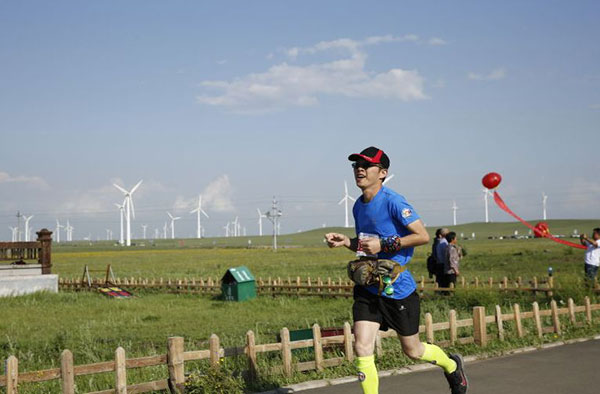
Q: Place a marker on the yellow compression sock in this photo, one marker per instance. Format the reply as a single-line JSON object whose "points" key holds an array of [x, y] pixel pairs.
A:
{"points": [[435, 355], [367, 374]]}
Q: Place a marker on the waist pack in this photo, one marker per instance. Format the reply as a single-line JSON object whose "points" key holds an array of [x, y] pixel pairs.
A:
{"points": [[370, 272]]}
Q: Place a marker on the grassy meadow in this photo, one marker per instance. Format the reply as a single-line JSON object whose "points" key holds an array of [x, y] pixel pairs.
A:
{"points": [[36, 328]]}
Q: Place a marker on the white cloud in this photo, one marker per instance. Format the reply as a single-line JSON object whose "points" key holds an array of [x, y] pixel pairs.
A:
{"points": [[221, 62], [217, 195], [498, 73], [34, 181], [286, 84], [595, 106], [436, 41]]}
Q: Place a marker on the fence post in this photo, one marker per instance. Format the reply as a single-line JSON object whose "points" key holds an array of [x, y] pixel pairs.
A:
{"points": [[571, 305], [505, 282], [215, 350], [555, 319], [67, 376], [491, 282], [499, 322], [348, 349], [550, 285], [537, 319], [251, 352], [453, 328], [429, 327], [286, 351], [518, 324], [120, 371], [175, 362], [588, 310], [11, 372], [45, 238], [318, 345], [479, 326]]}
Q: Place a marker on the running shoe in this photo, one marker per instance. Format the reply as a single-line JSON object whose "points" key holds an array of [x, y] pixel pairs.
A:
{"points": [[457, 380]]}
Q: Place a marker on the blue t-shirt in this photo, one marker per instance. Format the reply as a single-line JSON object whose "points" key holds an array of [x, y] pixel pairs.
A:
{"points": [[388, 214]]}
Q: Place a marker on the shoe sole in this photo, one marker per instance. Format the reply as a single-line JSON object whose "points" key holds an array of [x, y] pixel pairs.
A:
{"points": [[462, 365]]}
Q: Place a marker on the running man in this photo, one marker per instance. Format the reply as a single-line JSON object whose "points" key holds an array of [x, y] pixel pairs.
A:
{"points": [[395, 230]]}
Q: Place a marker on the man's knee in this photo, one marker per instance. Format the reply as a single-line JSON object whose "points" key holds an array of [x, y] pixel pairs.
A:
{"points": [[363, 348]]}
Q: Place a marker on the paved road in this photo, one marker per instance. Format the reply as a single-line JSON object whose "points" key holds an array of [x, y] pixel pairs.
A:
{"points": [[568, 369]]}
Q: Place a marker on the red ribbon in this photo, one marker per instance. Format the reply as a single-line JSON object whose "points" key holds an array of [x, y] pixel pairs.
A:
{"points": [[506, 209]]}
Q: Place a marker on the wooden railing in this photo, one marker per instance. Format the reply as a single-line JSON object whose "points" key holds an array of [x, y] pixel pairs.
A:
{"points": [[176, 355], [328, 287], [39, 250]]}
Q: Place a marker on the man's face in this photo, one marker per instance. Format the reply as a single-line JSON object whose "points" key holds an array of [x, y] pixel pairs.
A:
{"points": [[367, 174], [596, 236]]}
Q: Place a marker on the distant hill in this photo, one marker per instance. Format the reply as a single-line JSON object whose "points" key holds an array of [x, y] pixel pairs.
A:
{"points": [[315, 237]]}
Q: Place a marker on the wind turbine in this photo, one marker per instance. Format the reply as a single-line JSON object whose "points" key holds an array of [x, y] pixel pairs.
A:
{"points": [[108, 234], [454, 208], [200, 212], [236, 227], [486, 193], [544, 198], [345, 200], [173, 224], [156, 233], [129, 206], [58, 227], [226, 227], [27, 219], [14, 233], [122, 213], [165, 231], [260, 216]]}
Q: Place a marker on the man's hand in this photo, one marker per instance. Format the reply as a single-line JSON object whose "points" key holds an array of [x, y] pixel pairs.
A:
{"points": [[370, 245], [335, 240]]}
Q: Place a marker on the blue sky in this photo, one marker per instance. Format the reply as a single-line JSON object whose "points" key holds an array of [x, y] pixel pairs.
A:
{"points": [[242, 101]]}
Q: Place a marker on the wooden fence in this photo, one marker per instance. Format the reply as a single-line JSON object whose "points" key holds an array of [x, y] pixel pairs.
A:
{"points": [[176, 355], [329, 287], [40, 250]]}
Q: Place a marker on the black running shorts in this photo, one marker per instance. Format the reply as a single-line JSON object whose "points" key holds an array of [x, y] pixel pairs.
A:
{"points": [[400, 315]]}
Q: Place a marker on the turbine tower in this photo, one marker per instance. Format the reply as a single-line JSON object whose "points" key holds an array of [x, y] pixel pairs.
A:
{"points": [[260, 217], [544, 199], [454, 208], [173, 224], [345, 200], [27, 219], [200, 212], [129, 207], [144, 227], [58, 227], [165, 230], [226, 227], [122, 212], [486, 193]]}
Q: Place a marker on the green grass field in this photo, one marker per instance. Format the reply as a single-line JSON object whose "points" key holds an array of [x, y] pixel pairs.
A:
{"points": [[40, 326]]}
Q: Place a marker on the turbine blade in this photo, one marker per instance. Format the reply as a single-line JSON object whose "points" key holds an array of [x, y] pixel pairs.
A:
{"points": [[342, 200], [136, 186], [171, 216], [195, 210], [120, 188], [132, 208], [352, 198], [205, 214]]}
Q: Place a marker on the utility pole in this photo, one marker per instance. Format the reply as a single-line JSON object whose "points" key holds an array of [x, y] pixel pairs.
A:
{"points": [[273, 215]]}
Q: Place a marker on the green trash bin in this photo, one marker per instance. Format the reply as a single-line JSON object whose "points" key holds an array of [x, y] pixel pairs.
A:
{"points": [[238, 284]]}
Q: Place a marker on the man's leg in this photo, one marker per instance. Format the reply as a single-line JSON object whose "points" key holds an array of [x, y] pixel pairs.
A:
{"points": [[417, 350], [364, 334]]}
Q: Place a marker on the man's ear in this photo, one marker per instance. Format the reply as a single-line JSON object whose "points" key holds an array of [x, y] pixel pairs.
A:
{"points": [[383, 173]]}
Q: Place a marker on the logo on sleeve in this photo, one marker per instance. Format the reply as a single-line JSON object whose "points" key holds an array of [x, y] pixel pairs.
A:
{"points": [[406, 212]]}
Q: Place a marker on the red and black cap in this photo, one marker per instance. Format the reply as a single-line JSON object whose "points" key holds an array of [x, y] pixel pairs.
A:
{"points": [[372, 155]]}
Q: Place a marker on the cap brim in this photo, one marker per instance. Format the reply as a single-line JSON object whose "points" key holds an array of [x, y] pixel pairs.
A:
{"points": [[358, 156]]}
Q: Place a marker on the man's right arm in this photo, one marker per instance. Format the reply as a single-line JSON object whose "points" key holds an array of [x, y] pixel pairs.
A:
{"points": [[335, 240]]}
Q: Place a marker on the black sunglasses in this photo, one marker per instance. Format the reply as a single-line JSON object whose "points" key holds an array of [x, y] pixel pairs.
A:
{"points": [[364, 165]]}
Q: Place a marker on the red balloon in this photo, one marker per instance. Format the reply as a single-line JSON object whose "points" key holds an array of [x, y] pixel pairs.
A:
{"points": [[491, 180], [541, 230]]}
